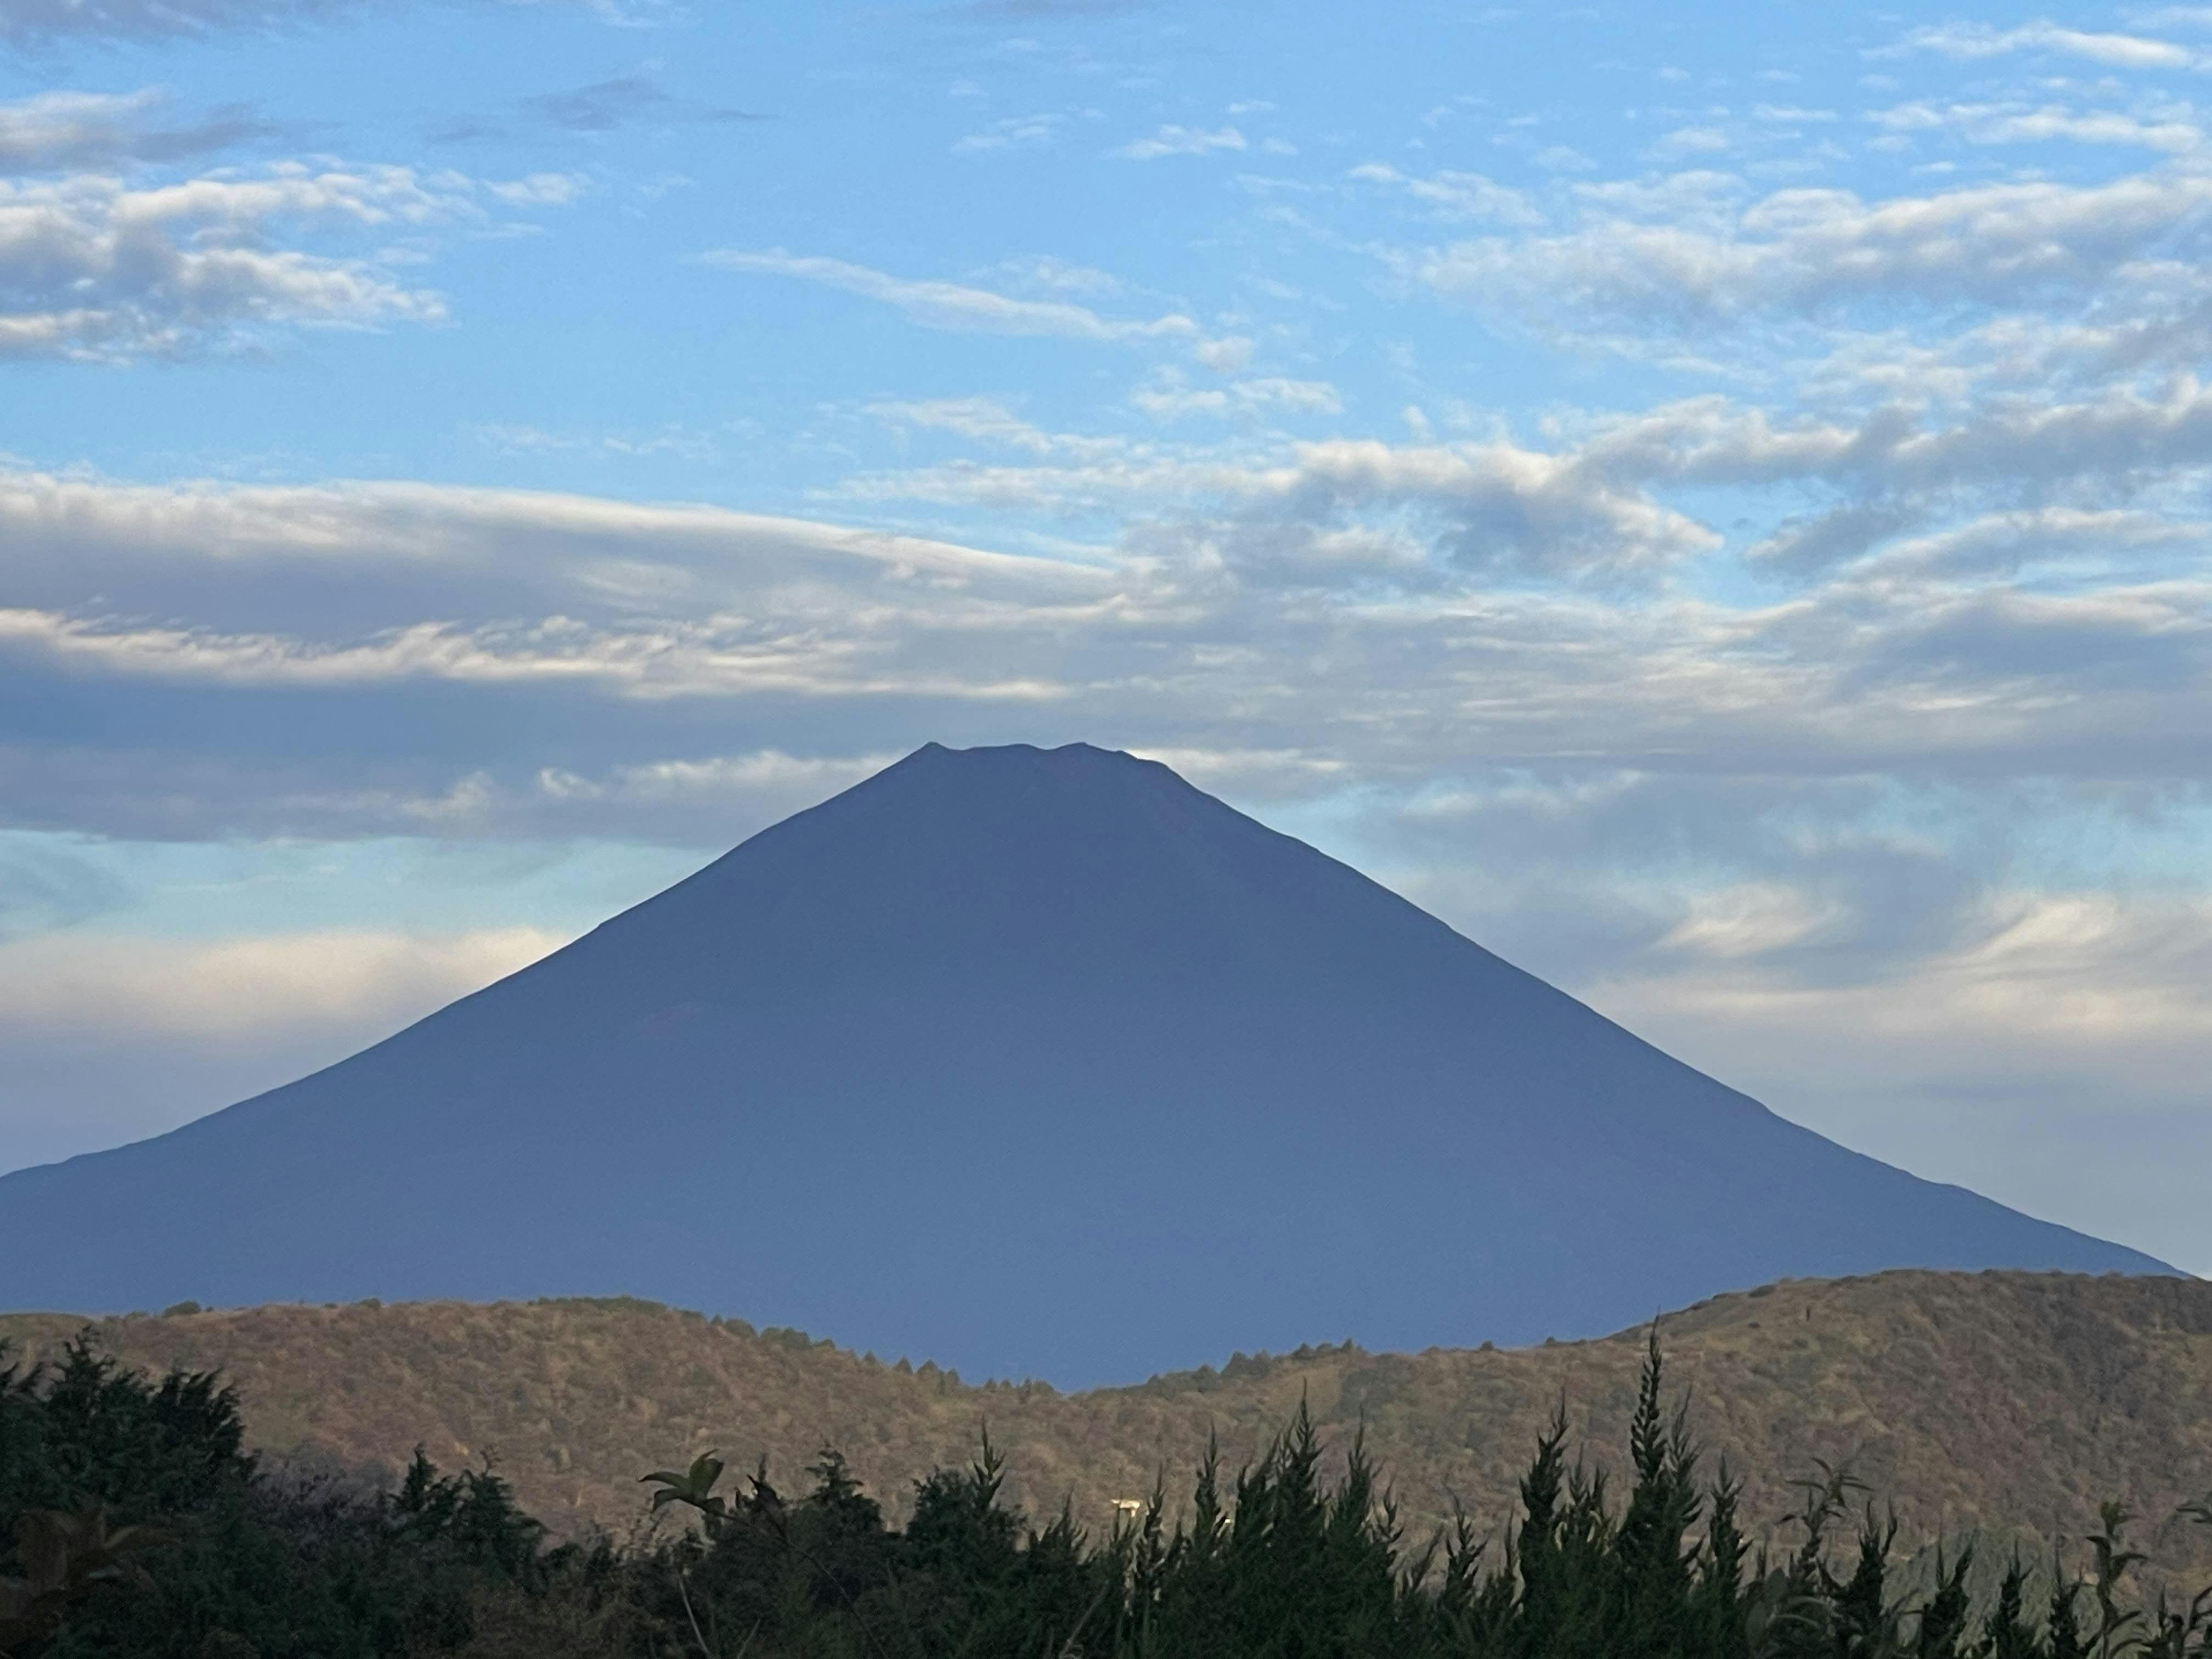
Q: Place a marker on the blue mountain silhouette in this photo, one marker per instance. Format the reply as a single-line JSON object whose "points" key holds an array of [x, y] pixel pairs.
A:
{"points": [[1037, 1062]]}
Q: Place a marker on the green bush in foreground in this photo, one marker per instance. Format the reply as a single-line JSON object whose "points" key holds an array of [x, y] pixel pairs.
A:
{"points": [[252, 1563], [1274, 1561]]}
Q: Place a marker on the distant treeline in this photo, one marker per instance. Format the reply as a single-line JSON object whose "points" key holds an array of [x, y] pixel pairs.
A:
{"points": [[140, 1529]]}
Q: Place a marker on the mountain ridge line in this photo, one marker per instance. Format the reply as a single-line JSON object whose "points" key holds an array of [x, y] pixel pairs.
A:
{"points": [[2011, 1401]]}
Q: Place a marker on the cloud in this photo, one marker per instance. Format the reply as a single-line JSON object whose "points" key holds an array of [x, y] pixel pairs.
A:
{"points": [[1014, 133], [716, 656], [1456, 195], [536, 440], [1179, 141], [113, 1037], [36, 22], [97, 268], [1051, 276], [1042, 11], [54, 131], [657, 603], [1504, 505], [602, 106], [1977, 41], [1974, 1059], [623, 100], [39, 23], [1227, 355], [991, 421], [1750, 919], [1696, 260], [1691, 141], [538, 190], [718, 782], [1168, 396], [644, 606], [2020, 123], [91, 269], [956, 306], [231, 988]]}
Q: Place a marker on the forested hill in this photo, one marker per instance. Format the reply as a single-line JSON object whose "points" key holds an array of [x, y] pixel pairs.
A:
{"points": [[2015, 1400]]}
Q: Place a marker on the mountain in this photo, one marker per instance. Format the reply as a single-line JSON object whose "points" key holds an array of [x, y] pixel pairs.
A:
{"points": [[1041, 1061], [2012, 1401]]}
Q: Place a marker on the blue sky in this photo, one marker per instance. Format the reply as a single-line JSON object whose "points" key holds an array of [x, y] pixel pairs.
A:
{"points": [[1709, 500]]}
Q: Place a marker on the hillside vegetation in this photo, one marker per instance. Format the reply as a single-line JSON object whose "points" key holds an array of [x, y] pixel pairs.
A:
{"points": [[142, 1529], [2014, 1402]]}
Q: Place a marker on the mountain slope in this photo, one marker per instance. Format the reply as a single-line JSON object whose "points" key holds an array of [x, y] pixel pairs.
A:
{"points": [[2010, 1401], [1041, 1061]]}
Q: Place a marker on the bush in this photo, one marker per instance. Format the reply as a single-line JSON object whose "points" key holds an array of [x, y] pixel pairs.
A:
{"points": [[250, 1564]]}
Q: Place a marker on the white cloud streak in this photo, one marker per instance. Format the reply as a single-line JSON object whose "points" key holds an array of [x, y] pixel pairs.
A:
{"points": [[1455, 195], [956, 306], [1978, 40], [1180, 141], [40, 23], [1806, 250], [2016, 124], [229, 989], [37, 23]]}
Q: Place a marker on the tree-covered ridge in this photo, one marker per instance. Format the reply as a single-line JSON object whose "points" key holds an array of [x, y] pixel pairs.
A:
{"points": [[2015, 1402], [1275, 1559]]}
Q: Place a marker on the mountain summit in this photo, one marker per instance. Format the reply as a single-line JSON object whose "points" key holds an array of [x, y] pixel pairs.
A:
{"points": [[1042, 1062]]}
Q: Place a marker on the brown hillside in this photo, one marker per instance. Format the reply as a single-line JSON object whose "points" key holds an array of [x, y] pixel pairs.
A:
{"points": [[2004, 1400]]}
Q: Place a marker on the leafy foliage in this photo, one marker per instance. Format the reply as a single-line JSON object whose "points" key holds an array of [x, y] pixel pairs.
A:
{"points": [[213, 1558]]}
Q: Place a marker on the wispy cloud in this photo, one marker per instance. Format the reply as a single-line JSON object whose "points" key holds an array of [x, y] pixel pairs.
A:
{"points": [[1973, 40], [1455, 195], [30, 22], [1042, 11], [525, 440], [1013, 132], [991, 421], [623, 100], [34, 23], [1179, 141], [1168, 396], [1805, 249], [2022, 123], [55, 131], [938, 304], [602, 106]]}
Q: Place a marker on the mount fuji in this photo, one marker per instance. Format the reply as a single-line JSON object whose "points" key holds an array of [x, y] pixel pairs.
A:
{"points": [[1036, 1062]]}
